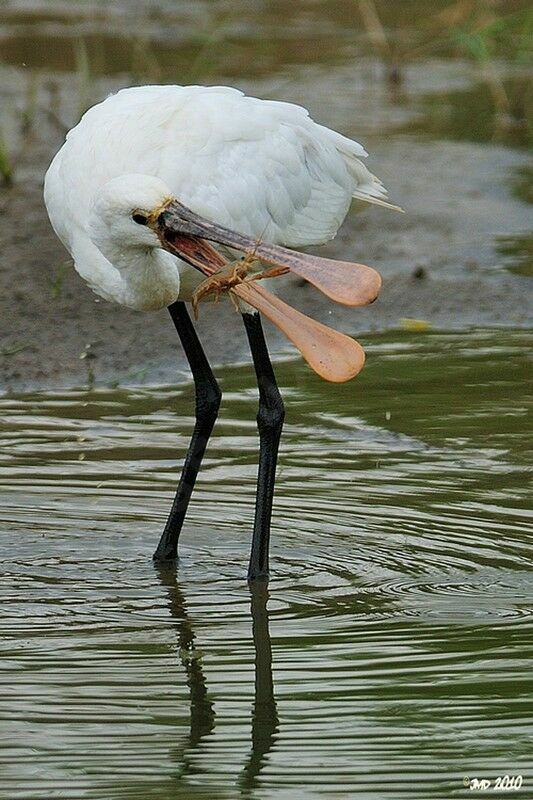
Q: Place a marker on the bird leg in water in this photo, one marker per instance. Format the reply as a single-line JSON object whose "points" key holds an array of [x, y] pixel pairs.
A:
{"points": [[230, 275], [207, 404]]}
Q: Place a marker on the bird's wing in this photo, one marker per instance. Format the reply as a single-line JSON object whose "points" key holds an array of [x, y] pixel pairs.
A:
{"points": [[264, 167]]}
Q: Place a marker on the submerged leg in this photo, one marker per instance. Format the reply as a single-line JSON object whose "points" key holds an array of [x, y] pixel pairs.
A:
{"points": [[207, 404], [269, 423]]}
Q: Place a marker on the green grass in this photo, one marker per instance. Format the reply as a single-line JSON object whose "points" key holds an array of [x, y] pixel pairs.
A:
{"points": [[7, 168]]}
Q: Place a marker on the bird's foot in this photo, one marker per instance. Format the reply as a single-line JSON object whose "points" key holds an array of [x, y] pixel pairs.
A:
{"points": [[228, 276]]}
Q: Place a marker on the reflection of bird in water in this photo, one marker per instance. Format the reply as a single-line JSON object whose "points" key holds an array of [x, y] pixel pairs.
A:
{"points": [[202, 712], [203, 718], [249, 169], [265, 721]]}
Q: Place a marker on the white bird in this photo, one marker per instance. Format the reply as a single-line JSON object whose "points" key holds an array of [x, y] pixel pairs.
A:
{"points": [[261, 168]]}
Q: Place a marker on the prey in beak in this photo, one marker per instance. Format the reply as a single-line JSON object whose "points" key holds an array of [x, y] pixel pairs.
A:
{"points": [[186, 234], [331, 354]]}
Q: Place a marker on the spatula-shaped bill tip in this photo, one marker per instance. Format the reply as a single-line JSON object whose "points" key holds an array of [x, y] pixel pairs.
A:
{"points": [[344, 282], [332, 355]]}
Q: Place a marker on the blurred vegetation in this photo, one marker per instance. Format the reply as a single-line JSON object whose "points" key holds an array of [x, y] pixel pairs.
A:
{"points": [[83, 73], [6, 162], [517, 252], [485, 36], [495, 40], [57, 278], [494, 36], [473, 115], [522, 183]]}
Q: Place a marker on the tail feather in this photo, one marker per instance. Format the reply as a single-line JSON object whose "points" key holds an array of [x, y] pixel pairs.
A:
{"points": [[366, 197], [367, 187]]}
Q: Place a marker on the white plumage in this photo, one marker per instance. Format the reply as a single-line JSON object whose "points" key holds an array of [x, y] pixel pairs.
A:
{"points": [[152, 175], [261, 167]]}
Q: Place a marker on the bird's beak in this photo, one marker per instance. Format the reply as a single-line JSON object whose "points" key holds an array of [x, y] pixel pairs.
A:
{"points": [[186, 235], [331, 354]]}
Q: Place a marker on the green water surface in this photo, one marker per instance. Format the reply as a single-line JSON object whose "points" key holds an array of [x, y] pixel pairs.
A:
{"points": [[392, 657]]}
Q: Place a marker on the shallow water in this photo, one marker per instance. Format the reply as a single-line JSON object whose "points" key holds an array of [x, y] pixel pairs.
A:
{"points": [[424, 69], [393, 656]]}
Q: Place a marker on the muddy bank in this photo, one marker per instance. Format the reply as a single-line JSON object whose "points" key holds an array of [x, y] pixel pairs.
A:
{"points": [[455, 196]]}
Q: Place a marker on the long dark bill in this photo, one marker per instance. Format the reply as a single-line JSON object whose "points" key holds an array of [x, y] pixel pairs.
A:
{"points": [[184, 233]]}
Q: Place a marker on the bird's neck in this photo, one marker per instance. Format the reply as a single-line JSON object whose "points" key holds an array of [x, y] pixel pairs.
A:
{"points": [[150, 277]]}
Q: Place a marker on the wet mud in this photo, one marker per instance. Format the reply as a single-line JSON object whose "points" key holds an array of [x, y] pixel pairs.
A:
{"points": [[443, 261]]}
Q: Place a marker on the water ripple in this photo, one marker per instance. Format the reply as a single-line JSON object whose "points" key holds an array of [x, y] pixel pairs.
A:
{"points": [[394, 655]]}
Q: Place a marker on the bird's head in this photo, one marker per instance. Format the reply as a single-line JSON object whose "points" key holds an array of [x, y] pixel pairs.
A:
{"points": [[121, 210], [137, 211]]}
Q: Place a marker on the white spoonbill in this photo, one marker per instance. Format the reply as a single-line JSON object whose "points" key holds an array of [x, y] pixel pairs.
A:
{"points": [[245, 170]]}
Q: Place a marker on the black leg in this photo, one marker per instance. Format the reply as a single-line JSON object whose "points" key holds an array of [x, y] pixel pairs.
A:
{"points": [[269, 423], [207, 404]]}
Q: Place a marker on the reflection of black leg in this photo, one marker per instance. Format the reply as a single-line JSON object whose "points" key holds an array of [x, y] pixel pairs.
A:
{"points": [[269, 422], [207, 405], [202, 711], [265, 720]]}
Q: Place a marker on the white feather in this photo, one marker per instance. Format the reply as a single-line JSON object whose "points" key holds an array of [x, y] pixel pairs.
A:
{"points": [[261, 167]]}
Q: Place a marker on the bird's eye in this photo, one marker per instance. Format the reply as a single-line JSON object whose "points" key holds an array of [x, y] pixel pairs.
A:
{"points": [[140, 219]]}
